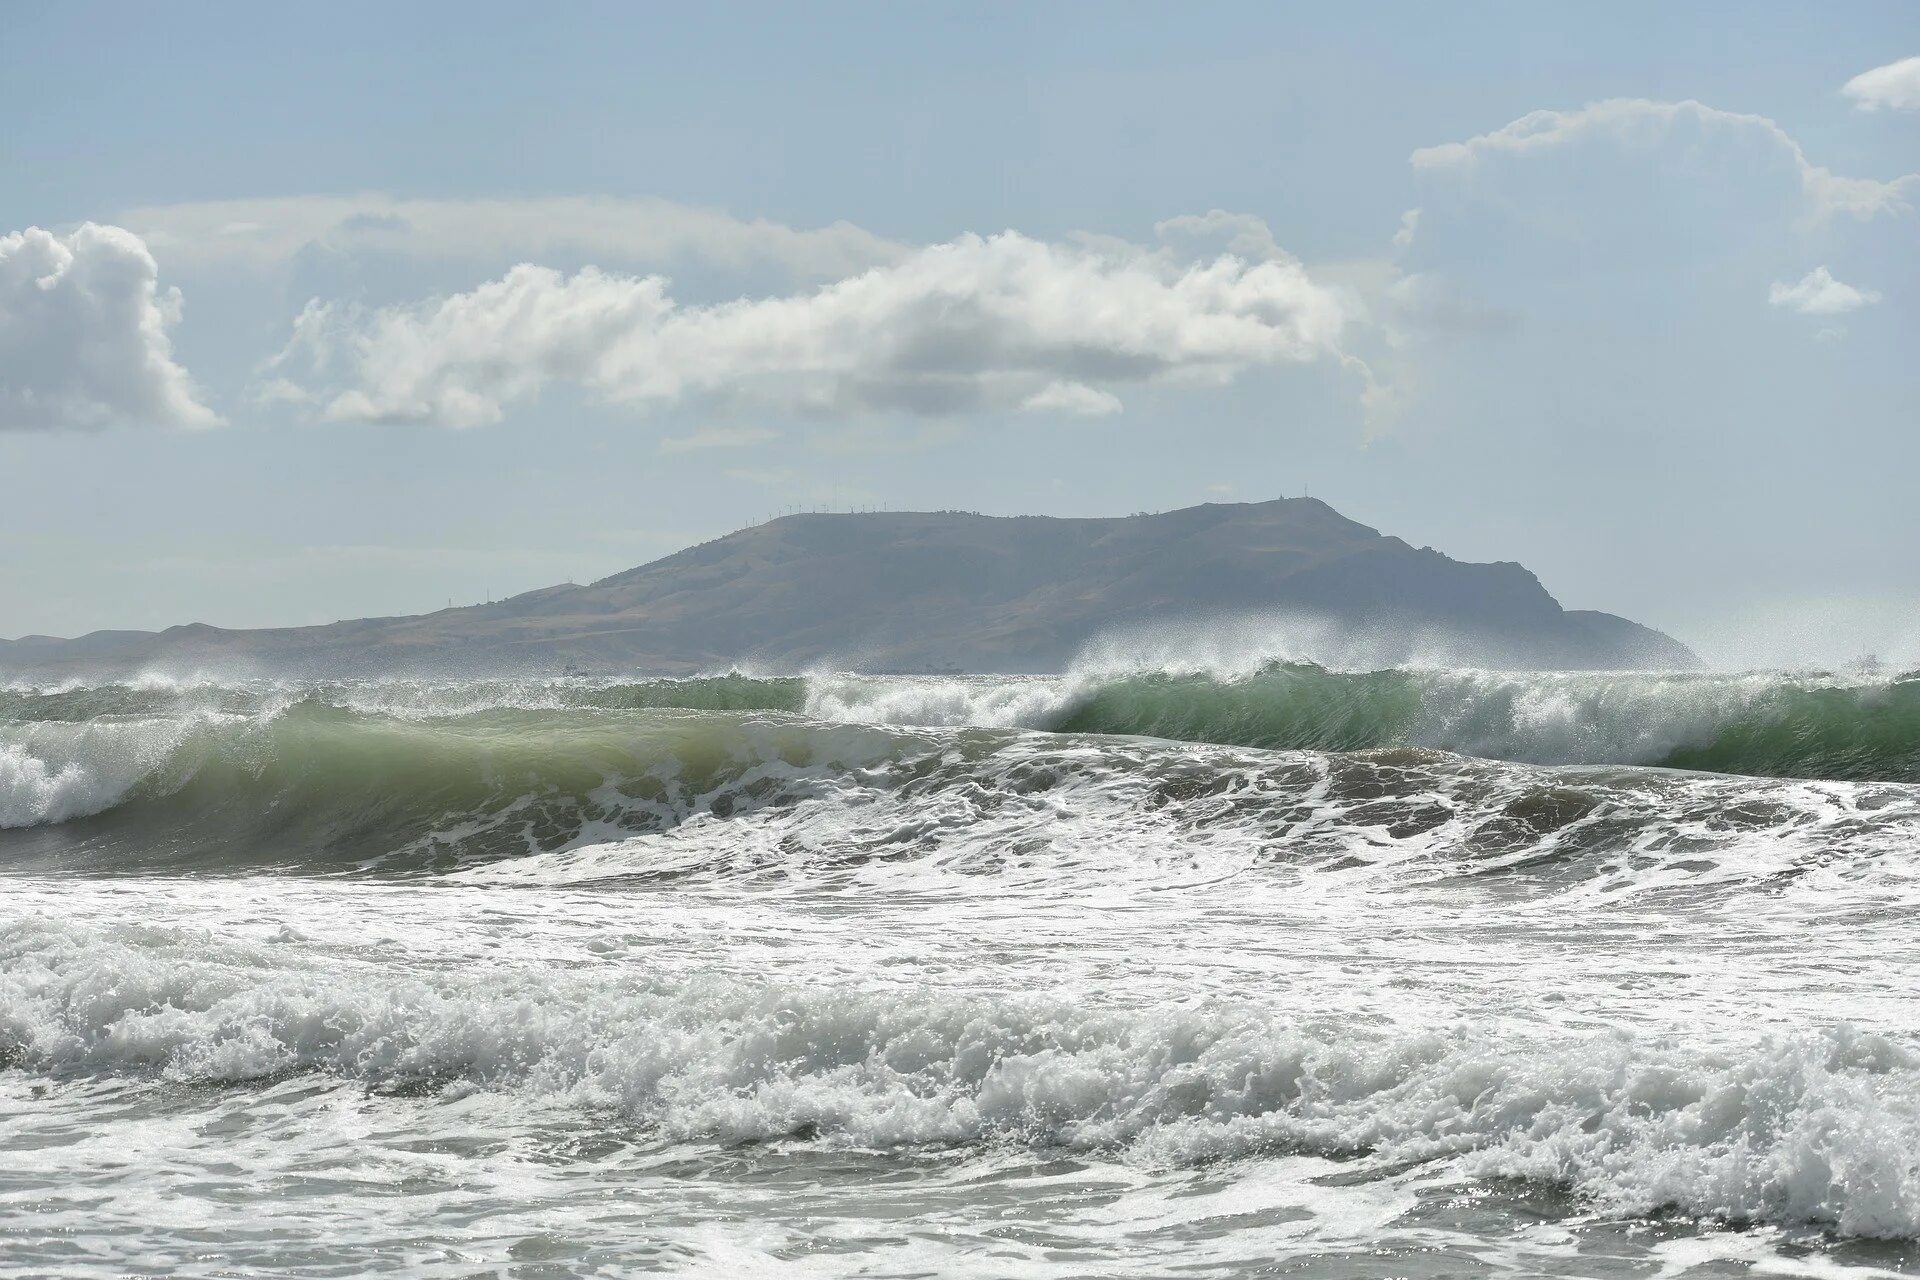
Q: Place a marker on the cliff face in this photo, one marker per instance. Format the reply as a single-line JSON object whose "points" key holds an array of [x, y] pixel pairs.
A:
{"points": [[911, 590]]}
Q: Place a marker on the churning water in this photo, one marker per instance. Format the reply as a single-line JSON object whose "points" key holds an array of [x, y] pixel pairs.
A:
{"points": [[1277, 970]]}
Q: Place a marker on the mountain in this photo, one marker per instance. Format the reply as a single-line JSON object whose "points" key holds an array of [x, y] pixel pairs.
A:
{"points": [[942, 590]]}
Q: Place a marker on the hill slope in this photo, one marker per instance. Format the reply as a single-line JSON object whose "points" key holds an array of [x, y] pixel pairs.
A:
{"points": [[911, 590]]}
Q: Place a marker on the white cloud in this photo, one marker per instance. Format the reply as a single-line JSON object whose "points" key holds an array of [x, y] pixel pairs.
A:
{"points": [[718, 438], [1409, 223], [1641, 121], [279, 391], [1819, 294], [1895, 86], [83, 334], [1073, 397], [1004, 322], [267, 232]]}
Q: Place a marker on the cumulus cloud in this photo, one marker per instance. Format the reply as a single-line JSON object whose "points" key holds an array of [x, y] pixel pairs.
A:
{"points": [[1409, 223], [1895, 87], [1073, 397], [1819, 294], [1641, 121], [83, 334], [267, 232], [999, 323]]}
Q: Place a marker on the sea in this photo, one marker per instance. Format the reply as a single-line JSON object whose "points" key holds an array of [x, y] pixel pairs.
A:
{"points": [[1274, 969]]}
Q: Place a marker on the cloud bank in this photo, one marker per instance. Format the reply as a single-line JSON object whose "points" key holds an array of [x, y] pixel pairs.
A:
{"points": [[262, 233], [976, 324], [1894, 87], [83, 335]]}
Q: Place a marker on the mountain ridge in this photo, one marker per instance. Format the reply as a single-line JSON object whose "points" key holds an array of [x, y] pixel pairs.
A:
{"points": [[944, 590]]}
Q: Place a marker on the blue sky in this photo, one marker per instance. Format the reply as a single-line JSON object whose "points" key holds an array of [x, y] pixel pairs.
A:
{"points": [[943, 257]]}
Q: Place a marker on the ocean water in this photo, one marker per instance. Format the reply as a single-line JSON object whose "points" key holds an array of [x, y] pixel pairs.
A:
{"points": [[1221, 971]]}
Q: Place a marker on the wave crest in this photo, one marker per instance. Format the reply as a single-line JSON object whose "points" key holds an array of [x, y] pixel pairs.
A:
{"points": [[1765, 724]]}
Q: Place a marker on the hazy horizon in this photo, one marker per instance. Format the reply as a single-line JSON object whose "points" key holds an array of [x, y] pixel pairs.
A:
{"points": [[1811, 634]]}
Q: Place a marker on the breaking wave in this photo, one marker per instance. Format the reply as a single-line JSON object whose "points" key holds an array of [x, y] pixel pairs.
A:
{"points": [[1767, 724], [315, 786]]}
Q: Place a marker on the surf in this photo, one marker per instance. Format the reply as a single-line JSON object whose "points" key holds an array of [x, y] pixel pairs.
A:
{"points": [[1773, 724], [310, 786], [1811, 1128]]}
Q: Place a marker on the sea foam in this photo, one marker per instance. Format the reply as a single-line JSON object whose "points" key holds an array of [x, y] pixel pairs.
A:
{"points": [[1818, 1127]]}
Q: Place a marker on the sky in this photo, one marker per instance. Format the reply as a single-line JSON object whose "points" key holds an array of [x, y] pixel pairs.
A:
{"points": [[311, 313]]}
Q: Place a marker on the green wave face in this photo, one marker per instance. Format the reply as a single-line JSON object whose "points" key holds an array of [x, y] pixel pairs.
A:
{"points": [[1768, 726], [404, 698], [1290, 707], [1860, 733], [319, 786]]}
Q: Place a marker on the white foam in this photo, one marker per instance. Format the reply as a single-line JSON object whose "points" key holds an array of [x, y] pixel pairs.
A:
{"points": [[1818, 1127], [53, 772], [1008, 702]]}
